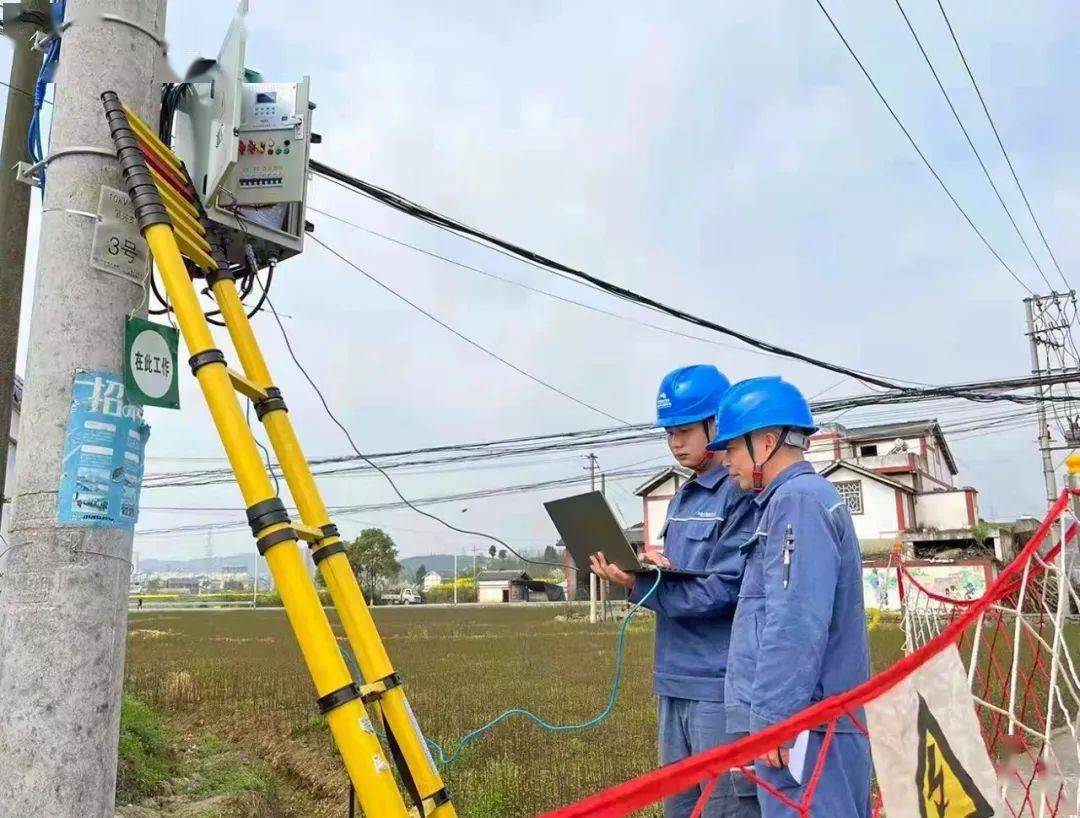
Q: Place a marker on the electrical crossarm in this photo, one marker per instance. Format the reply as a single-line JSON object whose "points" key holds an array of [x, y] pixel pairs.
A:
{"points": [[170, 221]]}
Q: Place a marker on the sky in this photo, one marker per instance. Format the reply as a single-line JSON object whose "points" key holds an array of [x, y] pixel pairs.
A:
{"points": [[724, 157]]}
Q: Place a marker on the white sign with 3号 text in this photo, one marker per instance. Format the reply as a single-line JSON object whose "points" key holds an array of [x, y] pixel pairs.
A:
{"points": [[118, 247]]}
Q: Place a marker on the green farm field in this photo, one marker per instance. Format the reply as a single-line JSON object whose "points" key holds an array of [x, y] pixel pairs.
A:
{"points": [[238, 676]]}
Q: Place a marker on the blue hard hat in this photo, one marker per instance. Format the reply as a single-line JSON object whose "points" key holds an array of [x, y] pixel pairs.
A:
{"points": [[760, 403], [689, 394]]}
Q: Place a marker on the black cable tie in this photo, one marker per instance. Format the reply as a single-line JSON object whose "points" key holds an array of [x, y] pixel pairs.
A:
{"points": [[330, 530], [388, 683], [268, 541], [271, 403], [220, 273], [336, 698], [207, 356], [320, 554], [266, 513]]}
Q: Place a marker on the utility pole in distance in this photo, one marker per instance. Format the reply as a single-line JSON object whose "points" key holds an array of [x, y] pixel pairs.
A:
{"points": [[594, 581], [1052, 353], [63, 595], [14, 210], [605, 586]]}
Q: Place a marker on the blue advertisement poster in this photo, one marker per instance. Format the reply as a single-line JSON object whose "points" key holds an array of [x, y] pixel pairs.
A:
{"points": [[102, 472]]}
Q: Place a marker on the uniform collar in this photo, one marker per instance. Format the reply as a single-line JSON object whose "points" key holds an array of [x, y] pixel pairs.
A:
{"points": [[794, 470], [712, 478]]}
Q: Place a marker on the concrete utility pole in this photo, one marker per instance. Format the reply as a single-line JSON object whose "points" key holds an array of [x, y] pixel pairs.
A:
{"points": [[63, 595], [605, 586], [594, 581], [1041, 326], [14, 212]]}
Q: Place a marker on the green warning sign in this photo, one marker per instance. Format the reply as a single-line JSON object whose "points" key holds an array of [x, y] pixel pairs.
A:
{"points": [[150, 373]]}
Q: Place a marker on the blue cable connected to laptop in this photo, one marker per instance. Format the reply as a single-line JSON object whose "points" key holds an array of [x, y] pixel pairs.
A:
{"points": [[446, 760]]}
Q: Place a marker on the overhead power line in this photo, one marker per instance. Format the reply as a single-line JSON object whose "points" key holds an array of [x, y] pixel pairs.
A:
{"points": [[470, 454], [1002, 387], [410, 208], [422, 213], [971, 144], [11, 87], [918, 150], [454, 497], [1001, 144], [346, 464], [958, 428], [487, 273], [462, 336], [356, 449]]}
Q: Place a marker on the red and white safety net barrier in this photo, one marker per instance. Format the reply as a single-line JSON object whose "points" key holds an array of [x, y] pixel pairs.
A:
{"points": [[978, 719], [1021, 656]]}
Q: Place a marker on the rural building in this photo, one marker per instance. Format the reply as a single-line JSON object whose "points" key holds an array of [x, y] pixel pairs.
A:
{"points": [[899, 482], [430, 580], [897, 479], [502, 586], [656, 493], [182, 584], [515, 586]]}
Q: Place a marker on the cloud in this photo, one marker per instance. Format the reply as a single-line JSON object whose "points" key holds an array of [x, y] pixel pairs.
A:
{"points": [[728, 158]]}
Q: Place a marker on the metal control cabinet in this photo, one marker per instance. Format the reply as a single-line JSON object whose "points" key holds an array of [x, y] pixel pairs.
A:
{"points": [[272, 139], [246, 146]]}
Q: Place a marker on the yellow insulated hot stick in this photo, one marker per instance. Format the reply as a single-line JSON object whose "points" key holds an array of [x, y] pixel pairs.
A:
{"points": [[338, 696], [383, 684]]}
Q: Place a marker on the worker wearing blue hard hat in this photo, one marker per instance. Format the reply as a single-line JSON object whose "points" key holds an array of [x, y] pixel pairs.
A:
{"points": [[708, 519], [799, 634]]}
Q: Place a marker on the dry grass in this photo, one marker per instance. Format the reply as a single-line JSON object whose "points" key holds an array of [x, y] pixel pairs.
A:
{"points": [[240, 674]]}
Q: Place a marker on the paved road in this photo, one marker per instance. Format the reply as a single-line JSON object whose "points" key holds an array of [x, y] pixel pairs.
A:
{"points": [[194, 605]]}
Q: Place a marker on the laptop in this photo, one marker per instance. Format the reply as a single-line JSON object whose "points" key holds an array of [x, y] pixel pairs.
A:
{"points": [[588, 526]]}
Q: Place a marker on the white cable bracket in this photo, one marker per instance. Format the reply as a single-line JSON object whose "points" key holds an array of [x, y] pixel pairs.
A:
{"points": [[41, 40], [27, 173]]}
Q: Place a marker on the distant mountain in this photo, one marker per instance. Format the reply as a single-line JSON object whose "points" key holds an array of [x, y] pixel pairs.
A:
{"points": [[443, 563], [202, 565]]}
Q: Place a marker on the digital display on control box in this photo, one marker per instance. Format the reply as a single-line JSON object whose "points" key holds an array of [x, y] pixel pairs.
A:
{"points": [[264, 97]]}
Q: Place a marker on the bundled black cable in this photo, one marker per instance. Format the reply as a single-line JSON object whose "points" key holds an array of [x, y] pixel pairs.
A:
{"points": [[244, 274], [432, 217]]}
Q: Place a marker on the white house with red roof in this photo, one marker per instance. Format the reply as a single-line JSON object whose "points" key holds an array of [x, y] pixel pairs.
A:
{"points": [[898, 480]]}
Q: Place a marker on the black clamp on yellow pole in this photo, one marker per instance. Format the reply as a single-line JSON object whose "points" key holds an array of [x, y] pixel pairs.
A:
{"points": [[266, 513], [272, 402], [320, 551], [377, 689], [336, 698]]}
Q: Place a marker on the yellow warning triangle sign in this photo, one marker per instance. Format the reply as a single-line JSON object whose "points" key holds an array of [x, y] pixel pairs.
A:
{"points": [[946, 789]]}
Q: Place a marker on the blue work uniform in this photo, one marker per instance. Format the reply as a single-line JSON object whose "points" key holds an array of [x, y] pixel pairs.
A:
{"points": [[799, 636], [709, 520]]}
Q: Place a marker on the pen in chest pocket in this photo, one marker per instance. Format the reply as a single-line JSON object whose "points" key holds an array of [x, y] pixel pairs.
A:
{"points": [[789, 549]]}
